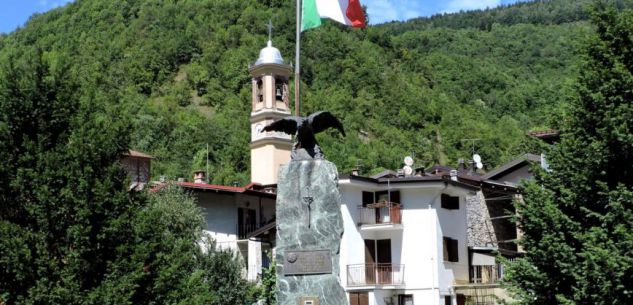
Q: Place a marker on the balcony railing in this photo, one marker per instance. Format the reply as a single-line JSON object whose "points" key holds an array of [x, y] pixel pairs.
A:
{"points": [[243, 230], [485, 274], [380, 213], [375, 274]]}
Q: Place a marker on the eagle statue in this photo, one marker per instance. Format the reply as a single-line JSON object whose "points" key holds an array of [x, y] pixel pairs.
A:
{"points": [[304, 129]]}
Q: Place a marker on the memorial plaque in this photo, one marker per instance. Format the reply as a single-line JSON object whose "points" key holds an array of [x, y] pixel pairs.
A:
{"points": [[309, 301], [307, 262]]}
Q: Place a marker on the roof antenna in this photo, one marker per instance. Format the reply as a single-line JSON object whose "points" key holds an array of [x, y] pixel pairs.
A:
{"points": [[476, 159]]}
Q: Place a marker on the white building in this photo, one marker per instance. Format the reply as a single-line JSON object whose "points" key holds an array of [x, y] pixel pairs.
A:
{"points": [[233, 216], [405, 239]]}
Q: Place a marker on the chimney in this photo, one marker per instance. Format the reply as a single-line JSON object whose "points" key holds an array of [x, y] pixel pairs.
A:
{"points": [[199, 177], [419, 172], [453, 174], [462, 165]]}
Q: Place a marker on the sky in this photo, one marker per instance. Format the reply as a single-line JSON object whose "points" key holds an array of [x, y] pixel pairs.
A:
{"points": [[14, 13]]}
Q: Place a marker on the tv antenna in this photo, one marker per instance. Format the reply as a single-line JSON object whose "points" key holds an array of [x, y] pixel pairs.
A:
{"points": [[407, 169], [476, 157], [472, 142]]}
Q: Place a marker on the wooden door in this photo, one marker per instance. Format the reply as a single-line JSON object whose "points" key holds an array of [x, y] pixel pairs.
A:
{"points": [[461, 299], [383, 256], [358, 298], [246, 222]]}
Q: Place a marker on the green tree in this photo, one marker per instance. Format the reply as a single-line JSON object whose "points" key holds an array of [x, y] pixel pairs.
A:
{"points": [[268, 288], [577, 218], [70, 232]]}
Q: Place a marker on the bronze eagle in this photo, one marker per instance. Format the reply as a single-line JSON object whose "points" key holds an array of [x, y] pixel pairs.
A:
{"points": [[304, 129]]}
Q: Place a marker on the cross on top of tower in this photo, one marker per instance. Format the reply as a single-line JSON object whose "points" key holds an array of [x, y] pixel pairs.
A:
{"points": [[270, 27]]}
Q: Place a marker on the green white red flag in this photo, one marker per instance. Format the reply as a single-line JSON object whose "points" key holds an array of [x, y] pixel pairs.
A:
{"points": [[348, 12]]}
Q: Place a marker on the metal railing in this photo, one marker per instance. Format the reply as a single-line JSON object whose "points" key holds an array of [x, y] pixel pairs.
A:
{"points": [[387, 213], [375, 274], [485, 274], [243, 230]]}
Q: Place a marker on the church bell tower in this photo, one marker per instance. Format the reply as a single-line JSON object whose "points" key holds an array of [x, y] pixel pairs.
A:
{"points": [[270, 102]]}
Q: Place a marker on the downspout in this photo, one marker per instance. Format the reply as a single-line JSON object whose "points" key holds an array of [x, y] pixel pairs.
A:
{"points": [[436, 285]]}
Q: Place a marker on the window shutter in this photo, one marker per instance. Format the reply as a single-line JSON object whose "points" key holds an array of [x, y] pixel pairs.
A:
{"points": [[454, 251], [450, 202]]}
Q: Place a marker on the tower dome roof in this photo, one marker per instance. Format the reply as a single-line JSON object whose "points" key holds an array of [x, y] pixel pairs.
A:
{"points": [[269, 55]]}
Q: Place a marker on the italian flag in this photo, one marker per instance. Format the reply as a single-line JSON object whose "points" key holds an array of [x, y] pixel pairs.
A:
{"points": [[348, 12]]}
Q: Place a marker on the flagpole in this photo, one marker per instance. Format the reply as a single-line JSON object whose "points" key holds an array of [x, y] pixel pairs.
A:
{"points": [[298, 62]]}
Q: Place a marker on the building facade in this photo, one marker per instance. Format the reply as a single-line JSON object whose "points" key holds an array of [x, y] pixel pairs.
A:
{"points": [[405, 240], [269, 103]]}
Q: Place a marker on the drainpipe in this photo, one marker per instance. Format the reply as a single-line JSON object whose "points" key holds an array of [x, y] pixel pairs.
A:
{"points": [[435, 286]]}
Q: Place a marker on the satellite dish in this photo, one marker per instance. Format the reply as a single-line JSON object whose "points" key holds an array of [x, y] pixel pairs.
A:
{"points": [[408, 160], [479, 165], [477, 158], [407, 170]]}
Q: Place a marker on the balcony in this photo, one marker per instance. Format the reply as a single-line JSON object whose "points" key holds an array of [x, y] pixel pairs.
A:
{"points": [[485, 274], [244, 230], [375, 275], [387, 214]]}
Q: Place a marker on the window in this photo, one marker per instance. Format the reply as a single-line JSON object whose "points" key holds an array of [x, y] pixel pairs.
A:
{"points": [[368, 198], [448, 300], [388, 196], [450, 202], [260, 91], [451, 253], [279, 90], [405, 299]]}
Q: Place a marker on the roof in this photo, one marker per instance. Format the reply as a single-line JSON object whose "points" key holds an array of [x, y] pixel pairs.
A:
{"points": [[408, 179], [512, 165], [384, 174], [251, 188], [263, 230], [137, 154], [549, 135]]}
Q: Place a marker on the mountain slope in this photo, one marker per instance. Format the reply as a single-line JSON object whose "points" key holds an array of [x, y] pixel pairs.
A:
{"points": [[179, 71]]}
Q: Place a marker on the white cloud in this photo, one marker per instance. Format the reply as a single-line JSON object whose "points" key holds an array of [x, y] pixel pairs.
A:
{"points": [[380, 11], [49, 4], [465, 5]]}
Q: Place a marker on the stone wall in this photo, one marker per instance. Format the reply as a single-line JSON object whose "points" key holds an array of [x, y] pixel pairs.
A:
{"points": [[481, 232], [488, 224]]}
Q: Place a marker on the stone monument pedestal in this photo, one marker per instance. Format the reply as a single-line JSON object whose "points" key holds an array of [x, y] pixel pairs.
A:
{"points": [[309, 230]]}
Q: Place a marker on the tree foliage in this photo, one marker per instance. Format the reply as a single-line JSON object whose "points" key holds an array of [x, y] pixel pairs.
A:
{"points": [[70, 233], [178, 69], [577, 218]]}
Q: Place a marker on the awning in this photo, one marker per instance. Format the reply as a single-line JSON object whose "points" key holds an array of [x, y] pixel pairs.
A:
{"points": [[481, 259]]}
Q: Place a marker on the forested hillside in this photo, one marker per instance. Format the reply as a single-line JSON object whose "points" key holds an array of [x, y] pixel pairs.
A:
{"points": [[177, 73]]}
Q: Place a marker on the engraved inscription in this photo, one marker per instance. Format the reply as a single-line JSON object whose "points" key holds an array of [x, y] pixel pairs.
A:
{"points": [[309, 301], [307, 262]]}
